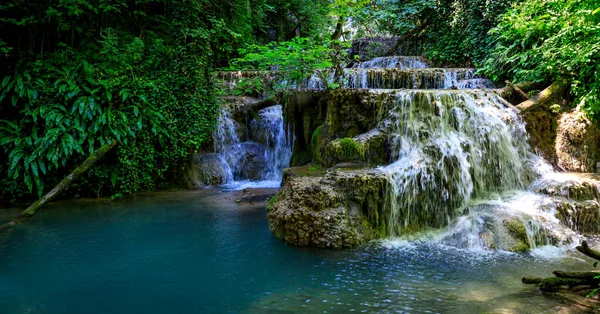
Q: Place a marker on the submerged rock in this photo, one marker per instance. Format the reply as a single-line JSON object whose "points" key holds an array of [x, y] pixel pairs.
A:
{"points": [[339, 209]]}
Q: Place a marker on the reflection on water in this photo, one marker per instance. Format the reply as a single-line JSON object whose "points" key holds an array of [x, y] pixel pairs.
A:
{"points": [[200, 252]]}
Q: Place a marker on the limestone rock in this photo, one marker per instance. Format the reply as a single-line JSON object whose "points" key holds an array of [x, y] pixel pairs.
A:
{"points": [[370, 148], [576, 199], [577, 143], [340, 209]]}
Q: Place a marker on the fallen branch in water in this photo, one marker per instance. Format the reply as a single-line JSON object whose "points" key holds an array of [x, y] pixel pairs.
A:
{"points": [[571, 279], [61, 186]]}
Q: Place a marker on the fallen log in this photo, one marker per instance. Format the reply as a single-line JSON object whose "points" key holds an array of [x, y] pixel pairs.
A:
{"points": [[585, 249], [509, 92], [553, 92], [509, 105], [532, 280], [61, 186], [589, 276]]}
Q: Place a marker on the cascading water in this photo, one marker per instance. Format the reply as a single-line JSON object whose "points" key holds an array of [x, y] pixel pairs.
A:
{"points": [[462, 160], [402, 62], [270, 128], [259, 158], [450, 146]]}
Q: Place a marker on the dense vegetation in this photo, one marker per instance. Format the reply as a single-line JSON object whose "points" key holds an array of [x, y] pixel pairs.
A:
{"points": [[76, 74], [543, 41], [539, 40]]}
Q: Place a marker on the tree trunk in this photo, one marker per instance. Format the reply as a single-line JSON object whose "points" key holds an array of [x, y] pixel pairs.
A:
{"points": [[553, 92], [62, 185], [338, 29]]}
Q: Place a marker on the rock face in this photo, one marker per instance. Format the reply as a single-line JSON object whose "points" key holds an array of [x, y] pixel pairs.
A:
{"points": [[569, 141], [343, 208], [251, 161], [577, 143], [576, 199]]}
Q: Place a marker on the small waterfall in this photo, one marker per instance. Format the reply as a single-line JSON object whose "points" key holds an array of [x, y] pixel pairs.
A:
{"points": [[402, 62], [270, 129], [449, 147], [427, 78], [259, 159]]}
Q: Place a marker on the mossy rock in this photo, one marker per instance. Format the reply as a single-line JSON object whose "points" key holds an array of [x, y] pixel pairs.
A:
{"points": [[516, 229], [335, 210], [342, 150]]}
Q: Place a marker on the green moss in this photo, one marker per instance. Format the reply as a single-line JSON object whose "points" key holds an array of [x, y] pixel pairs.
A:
{"points": [[516, 229], [272, 201], [314, 140], [348, 148]]}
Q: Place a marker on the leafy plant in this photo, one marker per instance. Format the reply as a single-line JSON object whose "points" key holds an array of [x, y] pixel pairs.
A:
{"points": [[543, 41]]}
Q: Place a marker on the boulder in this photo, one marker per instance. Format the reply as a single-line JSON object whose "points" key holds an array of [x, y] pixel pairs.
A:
{"points": [[207, 170], [343, 208]]}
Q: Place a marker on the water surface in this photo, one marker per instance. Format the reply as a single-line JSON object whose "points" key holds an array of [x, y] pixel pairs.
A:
{"points": [[200, 252]]}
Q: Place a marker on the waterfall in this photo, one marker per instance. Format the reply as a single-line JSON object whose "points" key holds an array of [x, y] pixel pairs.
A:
{"points": [[258, 157], [449, 147], [403, 62], [270, 128], [461, 160]]}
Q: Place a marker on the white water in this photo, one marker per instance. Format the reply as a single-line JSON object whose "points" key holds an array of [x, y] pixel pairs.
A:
{"points": [[263, 155], [401, 62]]}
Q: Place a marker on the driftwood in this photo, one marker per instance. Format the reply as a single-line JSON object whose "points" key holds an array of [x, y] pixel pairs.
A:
{"points": [[575, 281], [61, 186]]}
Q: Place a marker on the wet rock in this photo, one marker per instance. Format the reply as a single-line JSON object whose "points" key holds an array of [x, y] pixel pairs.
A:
{"points": [[368, 148], [576, 199], [207, 170], [339, 209], [251, 161], [574, 186], [256, 195], [581, 216]]}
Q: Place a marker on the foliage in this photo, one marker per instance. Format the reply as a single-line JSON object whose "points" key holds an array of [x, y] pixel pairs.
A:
{"points": [[295, 61], [447, 32], [76, 74], [147, 88], [545, 40]]}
